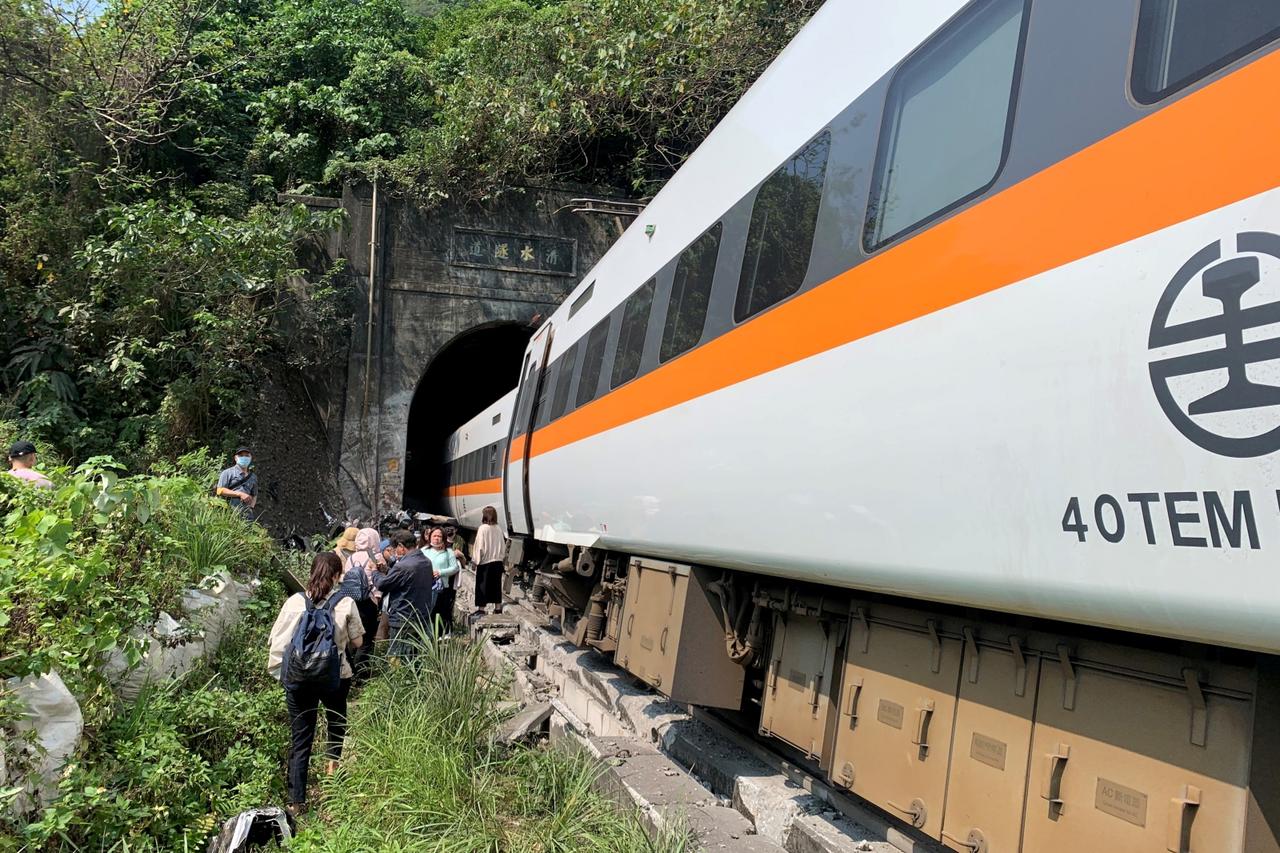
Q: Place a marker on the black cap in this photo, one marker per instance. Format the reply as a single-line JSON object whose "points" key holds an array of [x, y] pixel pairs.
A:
{"points": [[21, 448], [242, 449]]}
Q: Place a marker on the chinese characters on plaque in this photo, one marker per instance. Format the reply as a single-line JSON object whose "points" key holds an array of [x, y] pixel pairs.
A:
{"points": [[518, 252]]}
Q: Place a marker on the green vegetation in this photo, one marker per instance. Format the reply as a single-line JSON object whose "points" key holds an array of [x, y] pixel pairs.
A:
{"points": [[150, 280], [86, 563], [422, 771], [82, 567], [163, 772]]}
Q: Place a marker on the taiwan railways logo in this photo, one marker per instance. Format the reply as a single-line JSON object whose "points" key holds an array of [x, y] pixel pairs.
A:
{"points": [[1212, 351]]}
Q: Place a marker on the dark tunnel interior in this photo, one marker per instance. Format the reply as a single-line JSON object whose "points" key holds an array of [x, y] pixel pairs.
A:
{"points": [[471, 372]]}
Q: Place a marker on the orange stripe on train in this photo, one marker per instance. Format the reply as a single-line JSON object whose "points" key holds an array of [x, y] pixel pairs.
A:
{"points": [[1210, 149], [479, 487]]}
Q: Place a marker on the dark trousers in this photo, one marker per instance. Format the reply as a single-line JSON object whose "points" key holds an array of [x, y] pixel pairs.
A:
{"points": [[488, 584], [360, 658], [407, 638], [442, 612], [304, 704]]}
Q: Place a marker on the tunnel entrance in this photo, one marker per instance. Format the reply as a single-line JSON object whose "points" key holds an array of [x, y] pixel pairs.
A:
{"points": [[470, 372]]}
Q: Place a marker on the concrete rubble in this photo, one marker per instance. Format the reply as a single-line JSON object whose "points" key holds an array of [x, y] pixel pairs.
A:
{"points": [[676, 767]]}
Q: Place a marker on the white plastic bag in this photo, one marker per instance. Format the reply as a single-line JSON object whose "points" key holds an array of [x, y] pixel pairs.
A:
{"points": [[53, 713]]}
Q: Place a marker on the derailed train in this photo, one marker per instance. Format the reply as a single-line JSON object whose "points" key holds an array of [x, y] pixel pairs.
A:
{"points": [[931, 413]]}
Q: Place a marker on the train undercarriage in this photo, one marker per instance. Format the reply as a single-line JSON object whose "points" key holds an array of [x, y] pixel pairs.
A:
{"points": [[983, 731]]}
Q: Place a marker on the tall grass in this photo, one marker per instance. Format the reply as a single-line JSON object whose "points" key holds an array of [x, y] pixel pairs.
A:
{"points": [[422, 772], [209, 537]]}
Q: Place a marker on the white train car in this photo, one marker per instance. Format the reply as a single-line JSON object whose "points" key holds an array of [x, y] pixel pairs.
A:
{"points": [[473, 464], [932, 409]]}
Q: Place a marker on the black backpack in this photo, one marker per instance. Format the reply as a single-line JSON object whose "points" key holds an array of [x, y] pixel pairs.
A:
{"points": [[355, 586], [312, 658]]}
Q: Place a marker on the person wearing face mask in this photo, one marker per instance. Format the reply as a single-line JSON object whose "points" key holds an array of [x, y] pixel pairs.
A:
{"points": [[408, 590], [239, 485]]}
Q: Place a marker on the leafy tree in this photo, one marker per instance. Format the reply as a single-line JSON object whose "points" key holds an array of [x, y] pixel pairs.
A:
{"points": [[607, 92], [147, 277]]}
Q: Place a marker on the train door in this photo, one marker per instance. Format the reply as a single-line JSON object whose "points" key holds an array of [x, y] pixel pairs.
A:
{"points": [[510, 478], [515, 479]]}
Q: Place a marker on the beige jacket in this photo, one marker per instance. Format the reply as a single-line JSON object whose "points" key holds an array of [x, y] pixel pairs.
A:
{"points": [[347, 622]]}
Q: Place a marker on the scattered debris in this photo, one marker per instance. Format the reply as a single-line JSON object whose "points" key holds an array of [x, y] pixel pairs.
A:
{"points": [[171, 648], [252, 829], [526, 723]]}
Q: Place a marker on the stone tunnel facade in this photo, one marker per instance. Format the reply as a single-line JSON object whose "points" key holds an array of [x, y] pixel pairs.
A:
{"points": [[438, 327]]}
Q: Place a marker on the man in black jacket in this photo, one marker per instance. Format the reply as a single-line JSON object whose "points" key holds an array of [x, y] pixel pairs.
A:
{"points": [[408, 590]]}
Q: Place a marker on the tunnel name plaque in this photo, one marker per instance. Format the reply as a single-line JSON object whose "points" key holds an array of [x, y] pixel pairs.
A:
{"points": [[501, 250]]}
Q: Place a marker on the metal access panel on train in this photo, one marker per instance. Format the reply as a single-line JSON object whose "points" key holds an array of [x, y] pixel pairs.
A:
{"points": [[1124, 762], [798, 684], [898, 703], [672, 636], [991, 746]]}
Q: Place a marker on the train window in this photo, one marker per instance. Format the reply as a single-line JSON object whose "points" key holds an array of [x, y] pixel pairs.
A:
{"points": [[564, 375], [542, 416], [635, 321], [780, 239], [593, 360], [947, 121], [522, 398], [1182, 41], [493, 460], [582, 299], [690, 292]]}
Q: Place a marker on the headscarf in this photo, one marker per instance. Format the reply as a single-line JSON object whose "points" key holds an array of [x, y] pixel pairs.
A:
{"points": [[365, 541]]}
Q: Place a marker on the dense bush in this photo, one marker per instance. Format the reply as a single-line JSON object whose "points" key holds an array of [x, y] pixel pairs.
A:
{"points": [[164, 771], [85, 563], [614, 93], [83, 566]]}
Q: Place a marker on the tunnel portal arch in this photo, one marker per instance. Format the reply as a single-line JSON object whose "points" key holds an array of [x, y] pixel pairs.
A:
{"points": [[467, 374]]}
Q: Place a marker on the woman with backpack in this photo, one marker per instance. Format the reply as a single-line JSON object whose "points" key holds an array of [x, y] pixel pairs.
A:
{"points": [[308, 655]]}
